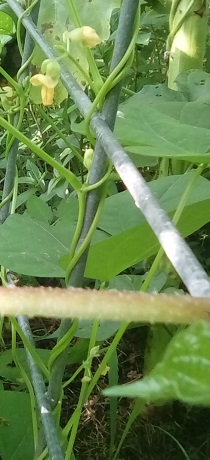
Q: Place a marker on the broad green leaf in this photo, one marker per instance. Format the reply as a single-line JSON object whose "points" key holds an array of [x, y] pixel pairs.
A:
{"points": [[134, 282], [167, 124], [141, 161], [105, 330], [68, 209], [54, 15], [23, 197], [35, 248], [120, 212], [157, 94], [133, 240], [126, 282], [31, 247], [195, 85], [183, 373], [16, 435], [38, 209]]}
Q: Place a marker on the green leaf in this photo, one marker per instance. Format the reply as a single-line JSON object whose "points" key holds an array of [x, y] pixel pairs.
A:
{"points": [[78, 352], [31, 247], [195, 85], [12, 373], [96, 14], [166, 125], [7, 19], [38, 209], [126, 282], [158, 338], [132, 238], [183, 374], [105, 330], [16, 435]]}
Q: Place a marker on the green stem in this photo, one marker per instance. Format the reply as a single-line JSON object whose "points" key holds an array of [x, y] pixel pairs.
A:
{"points": [[175, 220], [49, 119], [15, 192], [28, 385], [80, 219], [29, 347], [138, 407], [106, 358], [19, 24], [115, 76], [97, 79], [82, 397], [87, 239], [68, 175], [88, 188], [77, 64], [98, 373], [62, 344], [5, 200]]}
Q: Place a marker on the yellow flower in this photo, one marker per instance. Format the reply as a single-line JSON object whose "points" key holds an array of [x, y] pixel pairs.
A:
{"points": [[86, 36], [47, 82], [48, 87]]}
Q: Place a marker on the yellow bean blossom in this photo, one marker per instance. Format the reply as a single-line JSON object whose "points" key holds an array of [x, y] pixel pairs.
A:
{"points": [[86, 36], [48, 82]]}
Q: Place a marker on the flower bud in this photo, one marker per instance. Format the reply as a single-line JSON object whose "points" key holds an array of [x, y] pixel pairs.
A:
{"points": [[86, 36], [51, 68], [88, 158]]}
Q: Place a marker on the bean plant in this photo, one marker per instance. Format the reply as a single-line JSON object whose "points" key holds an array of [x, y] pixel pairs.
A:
{"points": [[104, 115]]}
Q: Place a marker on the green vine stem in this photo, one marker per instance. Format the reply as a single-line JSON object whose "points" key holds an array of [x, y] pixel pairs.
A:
{"points": [[137, 409], [62, 344], [92, 352], [66, 54], [68, 175], [84, 245], [156, 263], [19, 24], [16, 117], [49, 119], [28, 345], [113, 79], [97, 80], [28, 385]]}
